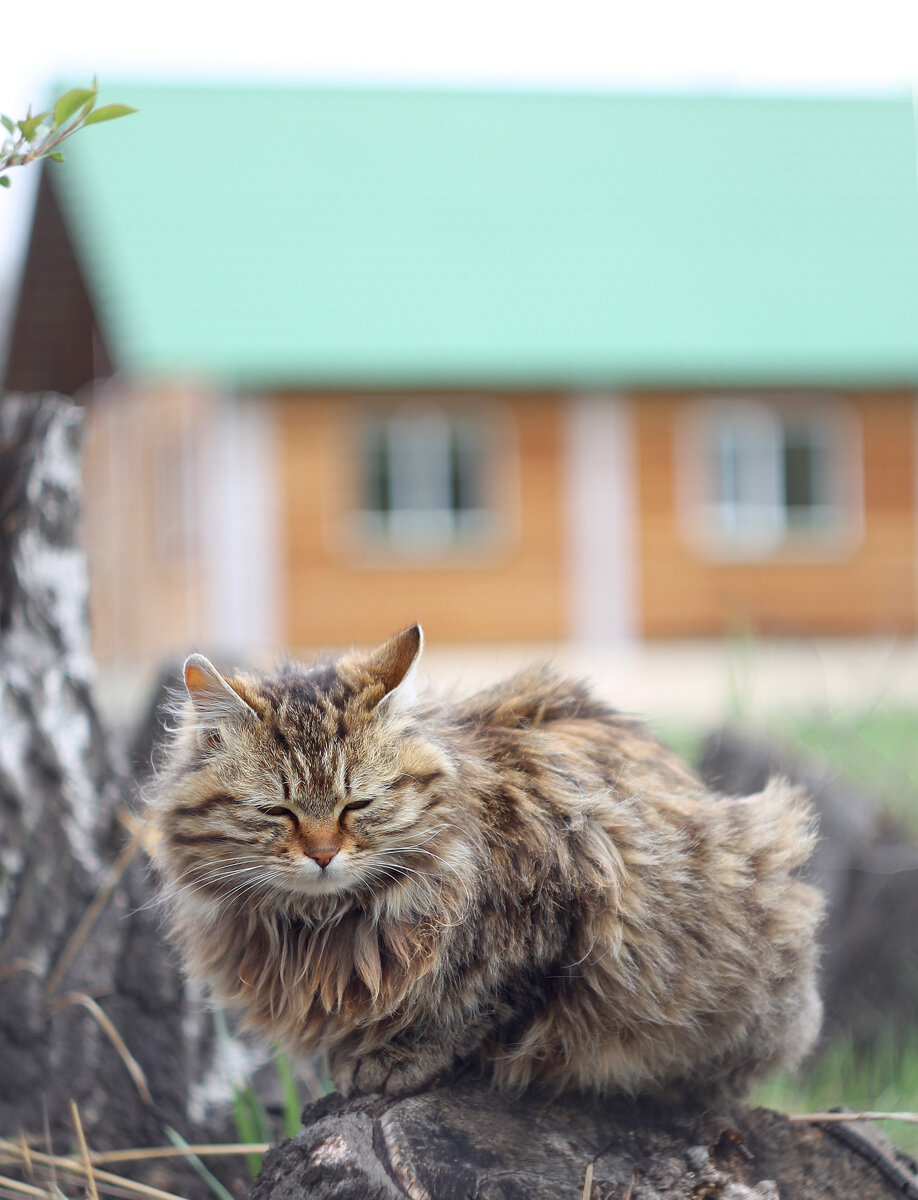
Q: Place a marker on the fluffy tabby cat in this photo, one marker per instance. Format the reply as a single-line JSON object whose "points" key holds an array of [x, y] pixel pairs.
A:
{"points": [[524, 881]]}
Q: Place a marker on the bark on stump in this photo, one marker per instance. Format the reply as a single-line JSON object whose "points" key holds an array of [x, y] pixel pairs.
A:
{"points": [[464, 1142]]}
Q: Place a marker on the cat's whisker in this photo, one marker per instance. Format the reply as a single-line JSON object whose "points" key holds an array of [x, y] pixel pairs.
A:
{"points": [[434, 833], [205, 872], [395, 871], [175, 888], [449, 867], [220, 862], [251, 887], [209, 883]]}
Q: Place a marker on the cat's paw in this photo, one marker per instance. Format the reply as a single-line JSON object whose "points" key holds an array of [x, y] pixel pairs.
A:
{"points": [[384, 1073], [406, 1078], [342, 1076], [362, 1076], [372, 1073]]}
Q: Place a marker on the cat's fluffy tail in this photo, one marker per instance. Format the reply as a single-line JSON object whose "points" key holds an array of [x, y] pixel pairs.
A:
{"points": [[783, 825], [780, 831]]}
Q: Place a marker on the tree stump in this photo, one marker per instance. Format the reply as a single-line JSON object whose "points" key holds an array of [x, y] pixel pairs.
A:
{"points": [[464, 1142]]}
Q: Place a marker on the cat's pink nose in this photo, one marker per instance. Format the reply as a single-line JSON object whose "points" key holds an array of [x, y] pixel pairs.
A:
{"points": [[323, 855]]}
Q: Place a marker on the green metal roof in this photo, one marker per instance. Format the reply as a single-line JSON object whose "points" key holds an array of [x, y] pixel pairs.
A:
{"points": [[324, 236]]}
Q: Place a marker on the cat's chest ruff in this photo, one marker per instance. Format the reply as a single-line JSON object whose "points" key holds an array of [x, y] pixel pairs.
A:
{"points": [[357, 965]]}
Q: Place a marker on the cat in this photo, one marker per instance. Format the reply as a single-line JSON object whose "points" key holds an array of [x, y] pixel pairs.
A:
{"points": [[525, 882]]}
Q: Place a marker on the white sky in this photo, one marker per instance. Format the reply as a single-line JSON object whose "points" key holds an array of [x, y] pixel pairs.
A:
{"points": [[771, 45]]}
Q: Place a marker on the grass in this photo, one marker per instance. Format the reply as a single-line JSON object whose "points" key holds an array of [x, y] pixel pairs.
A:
{"points": [[254, 1123], [877, 750], [885, 1080], [49, 1173]]}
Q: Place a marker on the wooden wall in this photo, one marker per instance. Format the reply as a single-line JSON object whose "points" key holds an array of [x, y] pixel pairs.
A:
{"points": [[333, 591], [338, 593], [148, 595], [868, 586]]}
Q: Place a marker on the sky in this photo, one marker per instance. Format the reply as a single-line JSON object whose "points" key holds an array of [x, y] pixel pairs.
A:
{"points": [[694, 45]]}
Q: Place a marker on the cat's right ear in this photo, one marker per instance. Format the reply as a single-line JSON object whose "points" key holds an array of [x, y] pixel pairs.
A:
{"points": [[213, 699], [395, 665]]}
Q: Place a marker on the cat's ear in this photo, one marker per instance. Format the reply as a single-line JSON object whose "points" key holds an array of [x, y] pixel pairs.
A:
{"points": [[212, 697], [395, 663]]}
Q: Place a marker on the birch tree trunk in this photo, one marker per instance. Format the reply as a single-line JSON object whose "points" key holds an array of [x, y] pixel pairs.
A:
{"points": [[92, 1007]]}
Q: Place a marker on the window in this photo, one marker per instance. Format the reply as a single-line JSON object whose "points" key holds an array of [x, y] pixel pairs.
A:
{"points": [[765, 478], [425, 480]]}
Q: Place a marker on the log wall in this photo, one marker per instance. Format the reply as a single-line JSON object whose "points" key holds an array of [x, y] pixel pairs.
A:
{"points": [[867, 587], [337, 590]]}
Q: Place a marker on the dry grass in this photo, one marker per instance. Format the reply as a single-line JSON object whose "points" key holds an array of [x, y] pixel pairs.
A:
{"points": [[84, 1151], [588, 1181], [107, 1026], [92, 913], [29, 1169], [86, 1168], [837, 1118]]}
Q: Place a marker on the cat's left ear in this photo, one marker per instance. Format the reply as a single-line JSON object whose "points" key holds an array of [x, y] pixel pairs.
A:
{"points": [[213, 698], [396, 664]]}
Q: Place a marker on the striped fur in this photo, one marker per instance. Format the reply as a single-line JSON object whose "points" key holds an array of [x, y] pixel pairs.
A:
{"points": [[525, 881]]}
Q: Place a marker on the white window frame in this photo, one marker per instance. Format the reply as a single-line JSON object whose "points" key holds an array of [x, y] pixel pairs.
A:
{"points": [[409, 532], [758, 524]]}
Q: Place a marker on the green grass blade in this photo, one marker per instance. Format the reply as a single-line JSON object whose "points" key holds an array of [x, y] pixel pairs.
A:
{"points": [[197, 1165], [293, 1101]]}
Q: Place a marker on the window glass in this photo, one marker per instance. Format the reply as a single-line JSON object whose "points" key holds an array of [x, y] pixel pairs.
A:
{"points": [[375, 474], [424, 479], [767, 474], [809, 494], [747, 482]]}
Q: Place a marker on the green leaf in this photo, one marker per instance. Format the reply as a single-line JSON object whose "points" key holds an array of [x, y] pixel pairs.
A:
{"points": [[4, 181], [7, 124], [67, 105], [56, 156], [31, 125], [109, 112]]}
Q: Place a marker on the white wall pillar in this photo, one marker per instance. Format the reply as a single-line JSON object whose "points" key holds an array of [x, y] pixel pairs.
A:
{"points": [[242, 534], [602, 521]]}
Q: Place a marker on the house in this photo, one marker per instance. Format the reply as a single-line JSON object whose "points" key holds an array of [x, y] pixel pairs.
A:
{"points": [[534, 367]]}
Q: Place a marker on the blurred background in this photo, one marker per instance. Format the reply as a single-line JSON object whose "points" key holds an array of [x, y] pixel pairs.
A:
{"points": [[588, 335], [591, 338]]}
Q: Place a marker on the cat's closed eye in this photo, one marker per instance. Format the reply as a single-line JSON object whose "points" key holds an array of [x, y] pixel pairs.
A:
{"points": [[280, 810], [355, 805]]}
